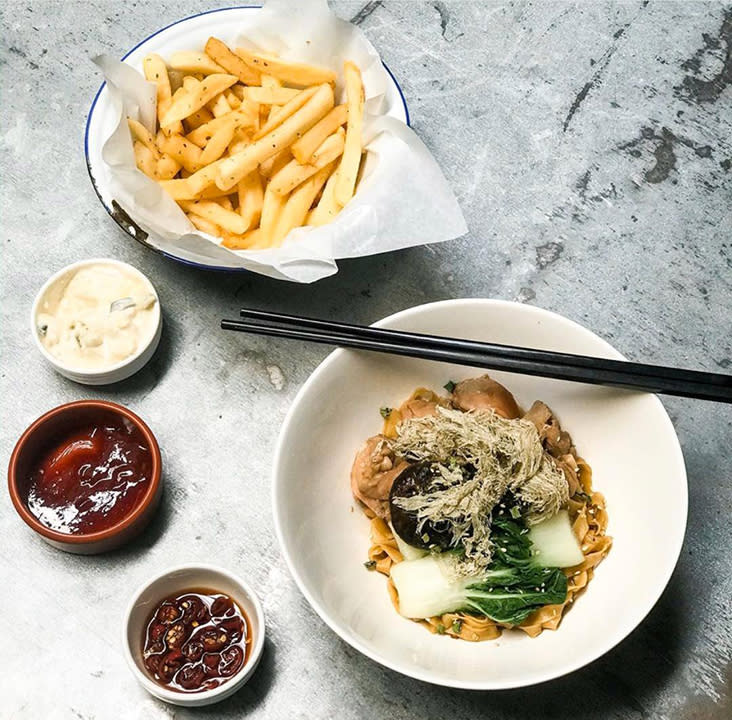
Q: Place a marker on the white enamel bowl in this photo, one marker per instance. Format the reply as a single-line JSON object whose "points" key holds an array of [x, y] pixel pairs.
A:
{"points": [[108, 374], [186, 34], [175, 581], [627, 438]]}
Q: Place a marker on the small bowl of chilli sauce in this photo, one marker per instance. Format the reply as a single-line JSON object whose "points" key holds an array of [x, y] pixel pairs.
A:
{"points": [[86, 476], [194, 635]]}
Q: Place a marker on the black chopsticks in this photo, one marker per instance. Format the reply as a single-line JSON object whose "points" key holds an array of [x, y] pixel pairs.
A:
{"points": [[528, 361]]}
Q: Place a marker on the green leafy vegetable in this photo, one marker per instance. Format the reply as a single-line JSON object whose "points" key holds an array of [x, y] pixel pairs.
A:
{"points": [[509, 596], [385, 412], [449, 386], [512, 587], [370, 564]]}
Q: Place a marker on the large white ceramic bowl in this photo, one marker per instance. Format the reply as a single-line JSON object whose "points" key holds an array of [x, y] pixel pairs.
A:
{"points": [[627, 437]]}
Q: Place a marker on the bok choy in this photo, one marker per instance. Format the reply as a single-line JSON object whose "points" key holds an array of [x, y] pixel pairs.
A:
{"points": [[515, 583]]}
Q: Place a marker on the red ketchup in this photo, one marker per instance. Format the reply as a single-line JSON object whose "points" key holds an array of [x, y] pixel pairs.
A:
{"points": [[91, 478], [195, 640]]}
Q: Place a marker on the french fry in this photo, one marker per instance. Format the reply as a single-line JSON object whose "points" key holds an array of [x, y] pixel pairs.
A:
{"points": [[268, 81], [194, 100], [327, 207], [297, 205], [205, 177], [234, 168], [238, 90], [269, 167], [203, 133], [330, 149], [218, 143], [200, 117], [225, 202], [220, 53], [251, 110], [251, 197], [219, 106], [213, 193], [190, 84], [271, 96], [279, 116], [242, 138], [194, 62], [303, 149], [232, 99], [272, 205], [144, 159], [167, 167], [141, 133], [293, 174], [203, 115], [250, 240], [183, 151], [205, 225], [212, 211], [155, 70], [291, 73], [178, 189], [351, 159]]}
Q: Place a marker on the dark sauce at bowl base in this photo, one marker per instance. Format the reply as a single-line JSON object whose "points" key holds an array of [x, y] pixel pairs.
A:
{"points": [[195, 640], [91, 477]]}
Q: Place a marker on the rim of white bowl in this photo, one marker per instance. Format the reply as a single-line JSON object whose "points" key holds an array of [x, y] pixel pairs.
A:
{"points": [[107, 370], [205, 697], [627, 626]]}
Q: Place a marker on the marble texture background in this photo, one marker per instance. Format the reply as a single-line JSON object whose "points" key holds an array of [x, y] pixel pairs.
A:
{"points": [[590, 145]]}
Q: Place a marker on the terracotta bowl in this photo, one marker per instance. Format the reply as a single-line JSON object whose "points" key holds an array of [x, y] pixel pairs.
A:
{"points": [[35, 440]]}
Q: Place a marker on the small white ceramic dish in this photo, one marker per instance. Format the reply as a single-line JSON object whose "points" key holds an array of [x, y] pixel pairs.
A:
{"points": [[626, 437], [178, 580], [112, 373], [185, 34]]}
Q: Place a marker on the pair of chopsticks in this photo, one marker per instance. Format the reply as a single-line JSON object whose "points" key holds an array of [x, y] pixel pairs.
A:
{"points": [[527, 361]]}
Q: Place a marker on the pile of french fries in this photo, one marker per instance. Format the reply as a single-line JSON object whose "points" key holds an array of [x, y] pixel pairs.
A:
{"points": [[251, 146]]}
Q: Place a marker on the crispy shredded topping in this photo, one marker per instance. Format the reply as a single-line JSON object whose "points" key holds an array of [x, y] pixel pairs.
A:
{"points": [[478, 456]]}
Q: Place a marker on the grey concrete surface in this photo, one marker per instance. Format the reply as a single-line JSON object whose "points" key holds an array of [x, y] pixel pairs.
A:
{"points": [[590, 145]]}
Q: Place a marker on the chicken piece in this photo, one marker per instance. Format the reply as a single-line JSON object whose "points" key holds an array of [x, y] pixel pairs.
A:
{"points": [[484, 393], [540, 414], [556, 441], [571, 472], [417, 408], [373, 473], [422, 402]]}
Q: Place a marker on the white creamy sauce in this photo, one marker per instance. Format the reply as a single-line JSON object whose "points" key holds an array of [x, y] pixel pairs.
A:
{"points": [[77, 325]]}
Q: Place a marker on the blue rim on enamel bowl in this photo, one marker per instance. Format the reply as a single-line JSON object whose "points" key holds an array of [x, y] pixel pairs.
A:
{"points": [[110, 210], [579, 339]]}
